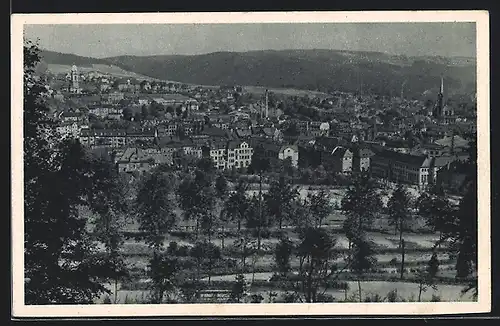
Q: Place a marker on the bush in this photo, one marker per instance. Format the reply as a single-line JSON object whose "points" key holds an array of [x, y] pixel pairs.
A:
{"points": [[435, 298], [374, 298], [264, 233], [325, 298], [392, 296], [256, 298], [107, 300]]}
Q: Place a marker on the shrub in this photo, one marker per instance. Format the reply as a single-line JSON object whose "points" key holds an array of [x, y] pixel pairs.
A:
{"points": [[392, 296], [256, 298], [107, 300], [435, 298], [290, 297], [374, 298], [264, 233], [325, 298], [394, 262]]}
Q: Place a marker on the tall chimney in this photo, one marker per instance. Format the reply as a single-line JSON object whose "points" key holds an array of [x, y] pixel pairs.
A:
{"points": [[267, 105]]}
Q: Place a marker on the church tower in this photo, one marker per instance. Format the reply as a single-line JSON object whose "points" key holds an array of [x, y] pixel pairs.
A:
{"points": [[75, 87], [438, 110]]}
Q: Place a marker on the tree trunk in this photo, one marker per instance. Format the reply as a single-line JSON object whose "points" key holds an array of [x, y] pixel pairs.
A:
{"points": [[209, 270], [309, 283], [359, 291], [197, 227], [223, 236], [402, 258], [420, 288], [440, 238], [253, 269], [260, 212], [116, 290], [239, 226]]}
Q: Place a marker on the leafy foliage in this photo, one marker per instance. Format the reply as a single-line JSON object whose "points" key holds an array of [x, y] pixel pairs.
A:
{"points": [[279, 198], [154, 208], [316, 256], [62, 263]]}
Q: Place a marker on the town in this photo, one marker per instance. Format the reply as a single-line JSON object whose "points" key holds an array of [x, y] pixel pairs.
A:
{"points": [[141, 124]]}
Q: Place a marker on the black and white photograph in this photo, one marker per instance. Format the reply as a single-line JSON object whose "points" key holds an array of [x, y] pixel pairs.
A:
{"points": [[235, 164]]}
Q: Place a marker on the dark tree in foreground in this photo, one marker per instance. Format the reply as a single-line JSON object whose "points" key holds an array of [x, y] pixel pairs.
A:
{"points": [[319, 206], [162, 271], [221, 191], [239, 289], [109, 202], [361, 259], [399, 206], [316, 256], [282, 255], [237, 203], [437, 211], [62, 264], [426, 276], [197, 200], [154, 209], [361, 204], [279, 200]]}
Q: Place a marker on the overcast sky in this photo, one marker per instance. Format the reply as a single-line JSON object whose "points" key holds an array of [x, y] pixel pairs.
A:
{"points": [[445, 39]]}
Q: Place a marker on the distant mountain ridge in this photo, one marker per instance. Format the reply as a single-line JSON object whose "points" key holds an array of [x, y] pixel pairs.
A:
{"points": [[322, 70]]}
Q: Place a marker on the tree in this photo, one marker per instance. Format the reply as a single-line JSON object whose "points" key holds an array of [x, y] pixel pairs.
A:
{"points": [[221, 191], [162, 271], [361, 204], [362, 258], [316, 256], [154, 208], [109, 202], [464, 237], [237, 204], [399, 212], [436, 209], [282, 255], [144, 112], [239, 289], [197, 200], [291, 130], [320, 207], [426, 276], [62, 264], [279, 198], [205, 253], [127, 113]]}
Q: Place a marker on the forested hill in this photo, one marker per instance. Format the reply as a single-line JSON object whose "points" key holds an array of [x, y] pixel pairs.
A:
{"points": [[323, 70]]}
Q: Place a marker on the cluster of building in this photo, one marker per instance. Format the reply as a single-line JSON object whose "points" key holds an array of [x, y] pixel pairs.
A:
{"points": [[347, 136]]}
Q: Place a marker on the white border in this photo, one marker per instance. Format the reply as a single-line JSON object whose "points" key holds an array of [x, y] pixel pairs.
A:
{"points": [[484, 300]]}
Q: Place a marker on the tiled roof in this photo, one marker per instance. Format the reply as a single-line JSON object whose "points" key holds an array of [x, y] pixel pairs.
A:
{"points": [[415, 160]]}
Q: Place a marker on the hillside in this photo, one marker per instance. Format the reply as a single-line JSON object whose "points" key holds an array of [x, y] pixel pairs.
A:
{"points": [[319, 70]]}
